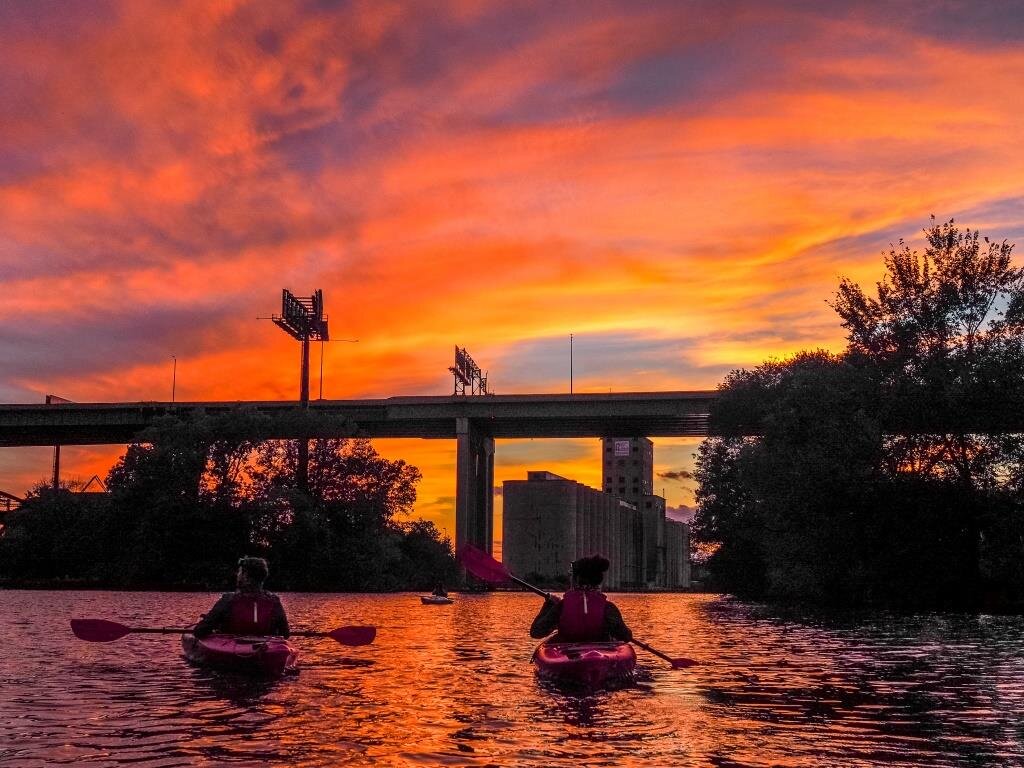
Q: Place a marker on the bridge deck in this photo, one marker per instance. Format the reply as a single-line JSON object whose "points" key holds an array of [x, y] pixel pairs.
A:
{"points": [[650, 414]]}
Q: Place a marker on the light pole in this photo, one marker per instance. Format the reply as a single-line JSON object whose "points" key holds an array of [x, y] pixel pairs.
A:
{"points": [[570, 363], [174, 376]]}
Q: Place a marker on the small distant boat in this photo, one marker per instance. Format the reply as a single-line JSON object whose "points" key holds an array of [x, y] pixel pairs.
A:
{"points": [[436, 600]]}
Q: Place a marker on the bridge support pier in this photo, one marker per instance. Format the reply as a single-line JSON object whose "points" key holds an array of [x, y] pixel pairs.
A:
{"points": [[474, 486]]}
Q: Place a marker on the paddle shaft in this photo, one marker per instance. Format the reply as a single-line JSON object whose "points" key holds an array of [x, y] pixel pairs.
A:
{"points": [[158, 630], [655, 651], [527, 585], [179, 630]]}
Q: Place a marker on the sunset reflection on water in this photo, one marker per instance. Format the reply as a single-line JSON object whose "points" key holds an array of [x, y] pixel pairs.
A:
{"points": [[453, 685]]}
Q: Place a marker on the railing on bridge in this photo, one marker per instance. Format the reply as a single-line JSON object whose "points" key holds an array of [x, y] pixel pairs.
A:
{"points": [[9, 502]]}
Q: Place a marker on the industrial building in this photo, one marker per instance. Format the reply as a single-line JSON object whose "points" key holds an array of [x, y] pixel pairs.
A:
{"points": [[549, 521]]}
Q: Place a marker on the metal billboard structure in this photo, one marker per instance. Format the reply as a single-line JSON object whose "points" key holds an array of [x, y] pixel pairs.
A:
{"points": [[467, 374]]}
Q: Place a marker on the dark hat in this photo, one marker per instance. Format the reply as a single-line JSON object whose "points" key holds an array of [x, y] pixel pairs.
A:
{"points": [[590, 570]]}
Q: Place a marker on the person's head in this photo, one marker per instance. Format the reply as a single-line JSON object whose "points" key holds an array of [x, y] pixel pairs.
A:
{"points": [[252, 572], [589, 571]]}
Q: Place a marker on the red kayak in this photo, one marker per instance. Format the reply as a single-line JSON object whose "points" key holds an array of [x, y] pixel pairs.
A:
{"points": [[592, 665], [257, 656]]}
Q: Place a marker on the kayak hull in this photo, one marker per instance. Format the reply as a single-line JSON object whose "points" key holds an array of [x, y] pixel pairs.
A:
{"points": [[435, 600], [591, 665], [255, 656]]}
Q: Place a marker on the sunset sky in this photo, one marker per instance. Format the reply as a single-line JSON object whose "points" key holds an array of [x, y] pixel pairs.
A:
{"points": [[678, 184]]}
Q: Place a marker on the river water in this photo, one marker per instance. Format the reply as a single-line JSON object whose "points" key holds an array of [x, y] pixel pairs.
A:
{"points": [[453, 685]]}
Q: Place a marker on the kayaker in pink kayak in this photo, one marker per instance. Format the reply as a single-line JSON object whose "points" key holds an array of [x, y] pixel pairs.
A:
{"points": [[584, 614], [250, 610]]}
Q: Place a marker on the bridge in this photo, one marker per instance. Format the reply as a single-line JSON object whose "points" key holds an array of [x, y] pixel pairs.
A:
{"points": [[474, 422]]}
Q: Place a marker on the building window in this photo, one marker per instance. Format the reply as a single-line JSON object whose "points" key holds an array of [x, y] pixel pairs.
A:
{"points": [[622, 479], [636, 449], [648, 505]]}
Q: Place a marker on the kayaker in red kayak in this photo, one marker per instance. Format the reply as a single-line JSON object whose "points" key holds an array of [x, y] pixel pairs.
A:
{"points": [[250, 610], [584, 614]]}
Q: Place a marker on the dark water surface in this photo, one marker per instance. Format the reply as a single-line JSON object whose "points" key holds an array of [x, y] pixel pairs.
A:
{"points": [[452, 685]]}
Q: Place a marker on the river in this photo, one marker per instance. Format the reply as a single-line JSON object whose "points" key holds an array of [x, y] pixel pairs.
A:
{"points": [[453, 685]]}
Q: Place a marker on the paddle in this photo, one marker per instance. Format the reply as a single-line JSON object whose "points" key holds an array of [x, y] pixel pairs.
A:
{"points": [[103, 631], [486, 568], [344, 635]]}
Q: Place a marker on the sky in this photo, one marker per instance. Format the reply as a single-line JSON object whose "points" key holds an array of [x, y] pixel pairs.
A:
{"points": [[680, 185]]}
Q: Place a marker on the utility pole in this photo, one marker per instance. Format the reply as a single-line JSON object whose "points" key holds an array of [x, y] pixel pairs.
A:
{"points": [[174, 376], [570, 363]]}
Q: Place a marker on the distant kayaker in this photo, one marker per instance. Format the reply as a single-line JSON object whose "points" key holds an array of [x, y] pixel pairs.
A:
{"points": [[249, 610], [439, 591], [584, 614]]}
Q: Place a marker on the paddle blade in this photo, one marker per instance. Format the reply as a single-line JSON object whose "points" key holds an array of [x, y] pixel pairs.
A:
{"points": [[98, 630], [482, 565], [353, 635], [684, 663]]}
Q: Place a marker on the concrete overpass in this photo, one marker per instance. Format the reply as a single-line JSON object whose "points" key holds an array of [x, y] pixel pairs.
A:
{"points": [[475, 422]]}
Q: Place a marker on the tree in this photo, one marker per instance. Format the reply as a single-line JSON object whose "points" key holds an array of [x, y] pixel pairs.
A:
{"points": [[845, 495], [346, 531], [943, 335], [191, 495], [58, 534], [345, 474], [943, 332]]}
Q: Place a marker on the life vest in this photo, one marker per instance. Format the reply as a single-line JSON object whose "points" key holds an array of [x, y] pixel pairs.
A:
{"points": [[251, 614], [582, 616]]}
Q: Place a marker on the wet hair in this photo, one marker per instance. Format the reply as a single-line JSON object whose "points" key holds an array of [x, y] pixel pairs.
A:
{"points": [[255, 568], [590, 571]]}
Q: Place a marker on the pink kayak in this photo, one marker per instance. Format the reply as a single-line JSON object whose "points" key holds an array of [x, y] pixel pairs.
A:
{"points": [[588, 664], [258, 656]]}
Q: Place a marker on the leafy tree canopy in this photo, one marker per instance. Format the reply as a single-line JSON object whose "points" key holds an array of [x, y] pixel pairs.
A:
{"points": [[191, 496], [890, 473]]}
